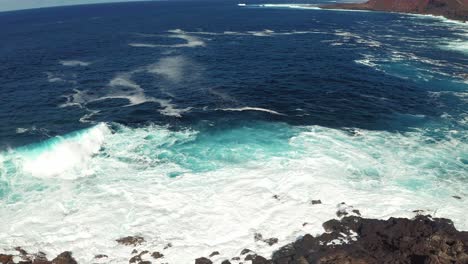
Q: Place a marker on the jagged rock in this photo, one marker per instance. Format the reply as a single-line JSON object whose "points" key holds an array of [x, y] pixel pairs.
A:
{"points": [[6, 259], [214, 253], [40, 258], [64, 258], [131, 240], [157, 255], [245, 251], [258, 236], [260, 260], [137, 258], [168, 245], [271, 241], [314, 202], [203, 261], [250, 256], [396, 240]]}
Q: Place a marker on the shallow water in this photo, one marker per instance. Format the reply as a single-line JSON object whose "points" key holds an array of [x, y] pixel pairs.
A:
{"points": [[179, 121]]}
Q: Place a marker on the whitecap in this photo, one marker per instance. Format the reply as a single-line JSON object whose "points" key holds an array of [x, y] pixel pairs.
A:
{"points": [[66, 158], [74, 63], [247, 108]]}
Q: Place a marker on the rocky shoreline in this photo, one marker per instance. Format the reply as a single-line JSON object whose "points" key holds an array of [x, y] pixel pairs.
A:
{"points": [[350, 240], [451, 9]]}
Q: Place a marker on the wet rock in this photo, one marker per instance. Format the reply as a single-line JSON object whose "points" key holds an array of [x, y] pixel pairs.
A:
{"points": [[271, 241], [157, 255], [64, 258], [226, 262], [40, 258], [368, 241], [245, 251], [457, 197], [356, 212], [258, 237], [131, 240], [214, 253], [168, 245], [138, 258], [6, 259], [203, 261], [100, 256], [250, 257], [260, 260], [314, 202]]}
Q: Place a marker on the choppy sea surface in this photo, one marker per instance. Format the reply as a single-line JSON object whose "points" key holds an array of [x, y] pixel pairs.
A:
{"points": [[179, 121]]}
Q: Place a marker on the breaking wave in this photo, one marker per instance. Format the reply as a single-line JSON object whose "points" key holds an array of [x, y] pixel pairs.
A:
{"points": [[185, 186]]}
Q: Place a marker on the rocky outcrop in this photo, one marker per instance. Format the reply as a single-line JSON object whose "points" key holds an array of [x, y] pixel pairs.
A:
{"points": [[351, 240], [453, 9], [355, 240], [39, 258]]}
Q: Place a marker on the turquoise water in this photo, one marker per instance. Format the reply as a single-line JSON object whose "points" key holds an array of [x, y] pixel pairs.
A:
{"points": [[180, 121]]}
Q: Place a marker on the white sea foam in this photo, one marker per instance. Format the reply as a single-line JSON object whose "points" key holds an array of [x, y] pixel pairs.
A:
{"points": [[247, 108], [60, 78], [380, 173], [74, 63], [190, 41], [65, 158], [143, 45], [172, 68]]}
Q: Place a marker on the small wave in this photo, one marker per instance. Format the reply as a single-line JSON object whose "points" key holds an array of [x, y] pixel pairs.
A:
{"points": [[191, 41], [252, 109], [74, 63], [60, 78]]}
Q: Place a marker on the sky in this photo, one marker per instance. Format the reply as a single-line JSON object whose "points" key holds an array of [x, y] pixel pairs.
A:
{"points": [[7, 5]]}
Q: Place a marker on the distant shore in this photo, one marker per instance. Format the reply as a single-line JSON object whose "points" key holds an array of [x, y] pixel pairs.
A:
{"points": [[451, 9]]}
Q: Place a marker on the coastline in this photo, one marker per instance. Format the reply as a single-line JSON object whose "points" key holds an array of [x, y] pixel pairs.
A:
{"points": [[348, 239], [460, 16]]}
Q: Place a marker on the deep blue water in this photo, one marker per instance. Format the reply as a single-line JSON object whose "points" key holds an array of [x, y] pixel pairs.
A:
{"points": [[182, 118], [301, 75]]}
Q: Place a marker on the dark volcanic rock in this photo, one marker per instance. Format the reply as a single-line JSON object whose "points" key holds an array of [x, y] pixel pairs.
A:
{"points": [[260, 260], [64, 258], [157, 255], [131, 240], [203, 261], [453, 9], [271, 241], [226, 262], [214, 253], [397, 240], [168, 245], [137, 258], [6, 259], [245, 251], [314, 202]]}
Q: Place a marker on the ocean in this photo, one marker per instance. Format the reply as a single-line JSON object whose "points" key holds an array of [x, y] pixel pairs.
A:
{"points": [[180, 122]]}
